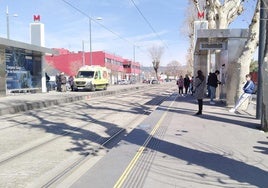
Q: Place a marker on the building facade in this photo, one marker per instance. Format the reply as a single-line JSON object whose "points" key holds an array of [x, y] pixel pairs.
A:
{"points": [[119, 68]]}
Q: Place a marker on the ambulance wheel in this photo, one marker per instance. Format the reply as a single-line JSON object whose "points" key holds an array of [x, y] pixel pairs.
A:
{"points": [[105, 87], [93, 88]]}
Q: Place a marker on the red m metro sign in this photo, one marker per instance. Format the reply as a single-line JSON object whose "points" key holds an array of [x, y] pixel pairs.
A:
{"points": [[201, 14], [36, 18]]}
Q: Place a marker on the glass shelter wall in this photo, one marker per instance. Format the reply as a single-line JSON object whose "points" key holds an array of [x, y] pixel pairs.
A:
{"points": [[2, 73], [23, 69]]}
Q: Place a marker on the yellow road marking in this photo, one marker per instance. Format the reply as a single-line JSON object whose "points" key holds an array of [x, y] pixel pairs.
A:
{"points": [[123, 177]]}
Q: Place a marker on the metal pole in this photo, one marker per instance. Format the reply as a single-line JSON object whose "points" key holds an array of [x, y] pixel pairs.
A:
{"points": [[90, 42], [134, 53], [7, 17], [260, 59], [83, 50]]}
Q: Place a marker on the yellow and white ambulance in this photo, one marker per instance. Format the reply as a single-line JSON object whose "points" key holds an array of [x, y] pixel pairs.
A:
{"points": [[91, 78]]}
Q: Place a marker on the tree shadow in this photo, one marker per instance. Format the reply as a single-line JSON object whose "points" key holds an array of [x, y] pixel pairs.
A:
{"points": [[84, 140], [262, 149], [236, 170]]}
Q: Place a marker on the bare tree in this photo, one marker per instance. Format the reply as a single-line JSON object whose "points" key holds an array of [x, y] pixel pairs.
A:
{"points": [[156, 53], [48, 67], [175, 68], [189, 32], [75, 66], [241, 67]]}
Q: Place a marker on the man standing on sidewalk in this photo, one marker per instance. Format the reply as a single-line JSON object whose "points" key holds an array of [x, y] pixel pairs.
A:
{"points": [[248, 91], [213, 84]]}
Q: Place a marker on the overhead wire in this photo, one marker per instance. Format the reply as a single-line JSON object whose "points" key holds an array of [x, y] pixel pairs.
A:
{"points": [[148, 23], [113, 32], [105, 27]]}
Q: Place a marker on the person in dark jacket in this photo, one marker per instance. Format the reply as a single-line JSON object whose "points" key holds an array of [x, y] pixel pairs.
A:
{"points": [[47, 82], [186, 82], [248, 91], [58, 82], [213, 84], [71, 82]]}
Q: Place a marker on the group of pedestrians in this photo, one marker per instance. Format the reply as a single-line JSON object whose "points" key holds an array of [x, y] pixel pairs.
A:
{"points": [[185, 83], [212, 83], [61, 82]]}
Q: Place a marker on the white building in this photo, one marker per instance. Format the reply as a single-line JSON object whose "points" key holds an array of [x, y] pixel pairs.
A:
{"points": [[37, 32]]}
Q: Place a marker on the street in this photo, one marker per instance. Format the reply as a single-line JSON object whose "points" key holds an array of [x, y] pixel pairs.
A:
{"points": [[39, 147]]}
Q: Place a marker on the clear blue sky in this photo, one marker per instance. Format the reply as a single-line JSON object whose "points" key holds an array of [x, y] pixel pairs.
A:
{"points": [[66, 27]]}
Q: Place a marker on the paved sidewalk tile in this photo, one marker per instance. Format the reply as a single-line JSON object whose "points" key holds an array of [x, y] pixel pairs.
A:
{"points": [[216, 149]]}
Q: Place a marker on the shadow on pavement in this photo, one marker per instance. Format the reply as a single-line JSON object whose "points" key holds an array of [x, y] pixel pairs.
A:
{"points": [[236, 170]]}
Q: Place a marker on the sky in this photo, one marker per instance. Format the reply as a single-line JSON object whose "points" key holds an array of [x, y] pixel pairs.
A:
{"points": [[128, 28]]}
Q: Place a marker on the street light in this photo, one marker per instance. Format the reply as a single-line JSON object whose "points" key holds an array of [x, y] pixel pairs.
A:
{"points": [[7, 17], [90, 37]]}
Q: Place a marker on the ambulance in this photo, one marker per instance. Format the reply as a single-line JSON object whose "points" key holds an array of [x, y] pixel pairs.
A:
{"points": [[91, 78]]}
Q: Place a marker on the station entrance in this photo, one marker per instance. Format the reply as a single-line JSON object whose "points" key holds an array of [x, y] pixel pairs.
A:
{"points": [[219, 49]]}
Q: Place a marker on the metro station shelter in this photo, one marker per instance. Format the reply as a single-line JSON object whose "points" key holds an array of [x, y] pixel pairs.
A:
{"points": [[21, 67]]}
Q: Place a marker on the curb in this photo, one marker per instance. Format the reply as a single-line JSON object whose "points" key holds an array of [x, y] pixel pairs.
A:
{"points": [[60, 99]]}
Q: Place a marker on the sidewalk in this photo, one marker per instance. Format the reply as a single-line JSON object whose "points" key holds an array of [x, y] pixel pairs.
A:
{"points": [[216, 149], [28, 101]]}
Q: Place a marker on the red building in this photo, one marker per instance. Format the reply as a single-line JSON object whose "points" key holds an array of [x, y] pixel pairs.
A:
{"points": [[120, 68]]}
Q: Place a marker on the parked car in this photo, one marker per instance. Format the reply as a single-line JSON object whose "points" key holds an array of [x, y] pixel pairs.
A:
{"points": [[145, 81], [154, 81], [123, 82]]}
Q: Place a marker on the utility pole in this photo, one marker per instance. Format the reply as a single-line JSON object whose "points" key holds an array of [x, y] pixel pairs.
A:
{"points": [[83, 51], [262, 95], [260, 60], [7, 17]]}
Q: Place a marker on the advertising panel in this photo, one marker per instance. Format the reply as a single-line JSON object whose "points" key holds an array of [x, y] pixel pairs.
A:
{"points": [[20, 69], [2, 73]]}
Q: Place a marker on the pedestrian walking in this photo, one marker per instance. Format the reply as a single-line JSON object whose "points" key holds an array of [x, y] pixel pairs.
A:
{"points": [[199, 88], [192, 85], [47, 82], [180, 85], [63, 82], [58, 82], [186, 82], [71, 82], [248, 91], [213, 84]]}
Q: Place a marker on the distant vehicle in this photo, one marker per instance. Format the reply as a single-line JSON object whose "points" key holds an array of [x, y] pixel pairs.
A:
{"points": [[123, 82], [146, 81], [133, 81], [154, 82], [91, 78]]}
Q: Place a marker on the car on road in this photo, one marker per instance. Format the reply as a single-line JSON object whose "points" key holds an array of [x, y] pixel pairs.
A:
{"points": [[123, 82], [154, 81]]}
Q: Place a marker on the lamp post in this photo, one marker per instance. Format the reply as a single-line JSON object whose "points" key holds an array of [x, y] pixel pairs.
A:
{"points": [[7, 18], [83, 51], [90, 37]]}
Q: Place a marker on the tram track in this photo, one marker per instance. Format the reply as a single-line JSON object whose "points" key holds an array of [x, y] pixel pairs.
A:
{"points": [[25, 122], [96, 145], [80, 162], [98, 100]]}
